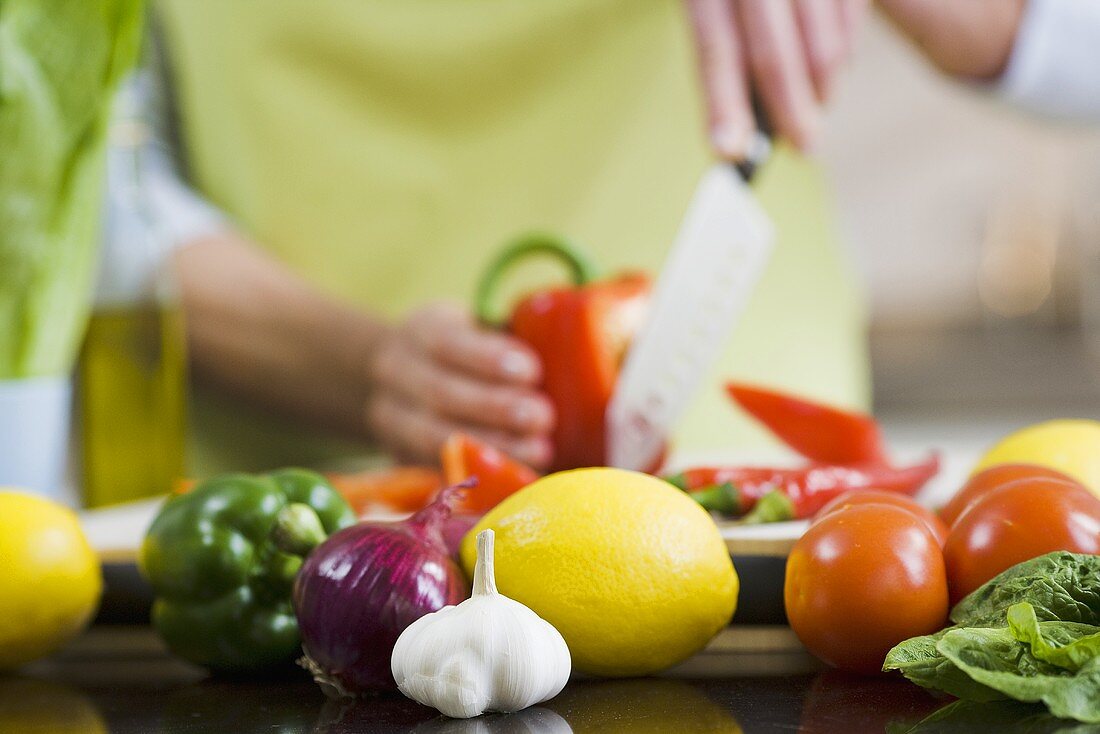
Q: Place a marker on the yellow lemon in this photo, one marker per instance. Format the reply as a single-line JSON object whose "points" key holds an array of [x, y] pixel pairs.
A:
{"points": [[50, 578], [631, 571], [1070, 446]]}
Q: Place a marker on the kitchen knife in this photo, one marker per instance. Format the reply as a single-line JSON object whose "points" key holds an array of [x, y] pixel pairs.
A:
{"points": [[718, 256]]}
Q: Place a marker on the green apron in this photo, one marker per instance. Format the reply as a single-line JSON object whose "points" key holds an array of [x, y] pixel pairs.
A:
{"points": [[385, 149]]}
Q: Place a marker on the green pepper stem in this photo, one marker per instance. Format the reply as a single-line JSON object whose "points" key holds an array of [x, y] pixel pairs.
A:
{"points": [[581, 269], [722, 498], [297, 529]]}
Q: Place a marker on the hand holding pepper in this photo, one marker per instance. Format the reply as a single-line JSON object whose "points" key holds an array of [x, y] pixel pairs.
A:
{"points": [[439, 373]]}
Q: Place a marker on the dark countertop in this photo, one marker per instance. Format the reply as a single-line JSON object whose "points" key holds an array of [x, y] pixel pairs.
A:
{"points": [[120, 680]]}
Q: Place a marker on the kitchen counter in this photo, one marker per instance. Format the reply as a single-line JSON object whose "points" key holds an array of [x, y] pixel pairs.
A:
{"points": [[120, 680]]}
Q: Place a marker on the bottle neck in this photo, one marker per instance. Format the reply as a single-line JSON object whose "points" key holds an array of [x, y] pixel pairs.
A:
{"points": [[134, 267]]}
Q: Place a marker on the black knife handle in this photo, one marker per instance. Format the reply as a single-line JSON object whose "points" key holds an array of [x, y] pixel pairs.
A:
{"points": [[760, 147]]}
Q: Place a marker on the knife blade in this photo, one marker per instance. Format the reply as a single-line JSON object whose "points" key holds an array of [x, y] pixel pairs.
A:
{"points": [[717, 257]]}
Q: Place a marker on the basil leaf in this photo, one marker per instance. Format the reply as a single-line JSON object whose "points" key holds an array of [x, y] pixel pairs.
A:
{"points": [[1061, 586]]}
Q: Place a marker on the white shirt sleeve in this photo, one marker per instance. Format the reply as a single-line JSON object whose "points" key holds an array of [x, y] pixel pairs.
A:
{"points": [[1054, 68]]}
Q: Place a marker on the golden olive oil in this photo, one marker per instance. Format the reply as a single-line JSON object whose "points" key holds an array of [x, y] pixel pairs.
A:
{"points": [[132, 382]]}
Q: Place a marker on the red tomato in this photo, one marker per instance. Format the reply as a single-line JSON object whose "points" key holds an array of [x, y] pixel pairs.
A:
{"points": [[861, 581], [1016, 522], [856, 497], [995, 476]]}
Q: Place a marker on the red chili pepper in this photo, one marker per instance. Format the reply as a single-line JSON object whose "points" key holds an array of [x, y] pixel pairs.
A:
{"points": [[581, 334], [498, 475], [821, 433], [735, 490]]}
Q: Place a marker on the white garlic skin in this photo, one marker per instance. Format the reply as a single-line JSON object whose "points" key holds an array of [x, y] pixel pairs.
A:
{"points": [[489, 653]]}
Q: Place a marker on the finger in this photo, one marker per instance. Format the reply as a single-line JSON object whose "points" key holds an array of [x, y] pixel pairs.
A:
{"points": [[456, 396], [780, 71], [724, 79], [415, 434], [820, 26], [409, 433], [449, 335], [851, 14]]}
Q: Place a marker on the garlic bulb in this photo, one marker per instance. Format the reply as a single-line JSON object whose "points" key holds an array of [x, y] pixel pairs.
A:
{"points": [[489, 653]]}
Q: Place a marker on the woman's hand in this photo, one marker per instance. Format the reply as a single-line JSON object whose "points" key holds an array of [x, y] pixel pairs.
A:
{"points": [[259, 330], [787, 52], [440, 372]]}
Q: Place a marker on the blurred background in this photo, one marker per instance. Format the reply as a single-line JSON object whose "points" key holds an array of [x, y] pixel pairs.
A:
{"points": [[977, 235]]}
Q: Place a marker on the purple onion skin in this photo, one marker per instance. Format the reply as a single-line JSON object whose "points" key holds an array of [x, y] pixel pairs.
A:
{"points": [[359, 590], [455, 529]]}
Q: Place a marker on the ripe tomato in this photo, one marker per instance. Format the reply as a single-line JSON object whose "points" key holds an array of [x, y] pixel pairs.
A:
{"points": [[1016, 522], [995, 476], [861, 581], [856, 497]]}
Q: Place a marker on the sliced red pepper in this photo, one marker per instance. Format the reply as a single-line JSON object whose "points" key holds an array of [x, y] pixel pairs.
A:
{"points": [[736, 490], [821, 433], [399, 488], [498, 475], [581, 334]]}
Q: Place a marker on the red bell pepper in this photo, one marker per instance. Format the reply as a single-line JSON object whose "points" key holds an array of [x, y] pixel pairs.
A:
{"points": [[581, 333], [821, 433], [498, 475], [736, 490]]}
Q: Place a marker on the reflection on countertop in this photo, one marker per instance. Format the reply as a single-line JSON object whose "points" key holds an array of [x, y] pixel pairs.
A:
{"points": [[120, 680]]}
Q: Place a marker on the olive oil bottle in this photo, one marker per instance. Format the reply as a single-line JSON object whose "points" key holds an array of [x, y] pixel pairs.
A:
{"points": [[132, 374]]}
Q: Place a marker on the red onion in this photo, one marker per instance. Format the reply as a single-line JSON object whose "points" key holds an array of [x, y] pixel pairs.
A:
{"points": [[455, 529], [359, 590]]}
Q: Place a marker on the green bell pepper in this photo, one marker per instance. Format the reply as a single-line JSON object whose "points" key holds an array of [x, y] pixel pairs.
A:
{"points": [[222, 560]]}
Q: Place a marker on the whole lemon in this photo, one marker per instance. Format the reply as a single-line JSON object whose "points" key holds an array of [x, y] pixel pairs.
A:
{"points": [[631, 571], [50, 580], [1070, 446]]}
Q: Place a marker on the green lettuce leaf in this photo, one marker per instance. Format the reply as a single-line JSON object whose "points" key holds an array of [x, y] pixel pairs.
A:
{"points": [[1072, 655], [919, 661], [60, 62], [1030, 634], [1061, 586], [994, 658]]}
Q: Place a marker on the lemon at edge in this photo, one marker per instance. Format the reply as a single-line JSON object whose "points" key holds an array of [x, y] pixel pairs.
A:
{"points": [[50, 578], [1070, 446], [631, 571]]}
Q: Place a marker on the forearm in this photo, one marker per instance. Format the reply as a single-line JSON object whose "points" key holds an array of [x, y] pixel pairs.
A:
{"points": [[256, 329], [1042, 55]]}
